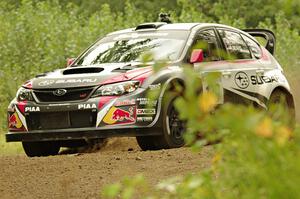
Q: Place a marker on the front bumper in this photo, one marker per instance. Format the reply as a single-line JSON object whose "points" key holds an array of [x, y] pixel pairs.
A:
{"points": [[79, 134], [128, 115]]}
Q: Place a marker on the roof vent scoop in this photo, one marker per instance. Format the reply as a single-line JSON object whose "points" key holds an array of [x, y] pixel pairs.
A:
{"points": [[153, 25]]}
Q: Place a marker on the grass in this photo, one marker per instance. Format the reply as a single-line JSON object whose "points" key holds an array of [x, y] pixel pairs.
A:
{"points": [[11, 148]]}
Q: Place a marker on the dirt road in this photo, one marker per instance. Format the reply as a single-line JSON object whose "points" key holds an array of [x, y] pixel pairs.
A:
{"points": [[83, 175]]}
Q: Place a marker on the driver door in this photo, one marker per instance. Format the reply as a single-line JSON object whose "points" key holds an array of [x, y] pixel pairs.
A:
{"points": [[212, 66]]}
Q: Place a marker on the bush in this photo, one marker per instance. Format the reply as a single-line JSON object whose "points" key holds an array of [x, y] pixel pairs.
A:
{"points": [[256, 158]]}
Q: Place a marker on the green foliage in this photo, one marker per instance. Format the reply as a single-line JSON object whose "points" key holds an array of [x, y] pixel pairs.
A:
{"points": [[38, 36], [257, 157]]}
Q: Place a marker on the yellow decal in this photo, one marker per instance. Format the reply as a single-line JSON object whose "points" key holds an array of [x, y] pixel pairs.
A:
{"points": [[108, 119]]}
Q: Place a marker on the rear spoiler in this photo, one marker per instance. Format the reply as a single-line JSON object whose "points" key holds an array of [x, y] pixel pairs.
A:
{"points": [[267, 35]]}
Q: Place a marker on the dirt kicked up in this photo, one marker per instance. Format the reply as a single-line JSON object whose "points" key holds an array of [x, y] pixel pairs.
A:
{"points": [[84, 175]]}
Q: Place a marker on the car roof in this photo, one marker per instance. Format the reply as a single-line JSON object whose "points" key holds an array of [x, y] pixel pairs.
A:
{"points": [[172, 26]]}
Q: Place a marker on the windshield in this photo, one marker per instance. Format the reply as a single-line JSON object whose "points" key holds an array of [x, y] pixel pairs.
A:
{"points": [[165, 46]]}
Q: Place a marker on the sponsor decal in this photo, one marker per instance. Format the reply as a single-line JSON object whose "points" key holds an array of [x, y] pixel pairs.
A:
{"points": [[125, 102], [66, 81], [86, 106], [46, 83], [32, 109], [59, 92], [144, 119], [145, 111], [147, 101], [14, 121], [155, 86], [119, 115], [242, 80], [262, 79]]}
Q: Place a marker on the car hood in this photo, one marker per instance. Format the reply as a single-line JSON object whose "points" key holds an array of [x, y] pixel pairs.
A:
{"points": [[87, 76]]}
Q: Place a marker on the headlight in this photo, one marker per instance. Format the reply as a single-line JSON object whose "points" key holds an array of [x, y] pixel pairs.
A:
{"points": [[117, 89], [24, 94]]}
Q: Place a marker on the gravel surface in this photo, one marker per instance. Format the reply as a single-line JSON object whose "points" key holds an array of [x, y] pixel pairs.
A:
{"points": [[82, 175]]}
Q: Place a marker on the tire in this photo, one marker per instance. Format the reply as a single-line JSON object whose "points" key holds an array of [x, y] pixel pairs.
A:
{"points": [[172, 128], [281, 108], [47, 148], [148, 142]]}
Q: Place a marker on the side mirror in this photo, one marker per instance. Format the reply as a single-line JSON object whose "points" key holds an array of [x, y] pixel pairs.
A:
{"points": [[70, 61], [197, 56]]}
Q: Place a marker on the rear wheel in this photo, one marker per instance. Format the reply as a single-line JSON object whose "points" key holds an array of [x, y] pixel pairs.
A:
{"points": [[172, 130], [281, 108], [33, 149]]}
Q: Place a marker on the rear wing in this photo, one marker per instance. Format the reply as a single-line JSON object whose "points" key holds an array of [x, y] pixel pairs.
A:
{"points": [[268, 35]]}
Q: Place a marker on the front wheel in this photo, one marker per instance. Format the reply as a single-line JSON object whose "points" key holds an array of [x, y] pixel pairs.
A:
{"points": [[172, 128], [46, 148]]}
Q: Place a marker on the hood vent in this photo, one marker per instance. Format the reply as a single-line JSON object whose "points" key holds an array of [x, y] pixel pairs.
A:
{"points": [[73, 71]]}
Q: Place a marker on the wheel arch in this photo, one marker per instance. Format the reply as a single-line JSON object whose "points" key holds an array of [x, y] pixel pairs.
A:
{"points": [[289, 95], [168, 85], [171, 84]]}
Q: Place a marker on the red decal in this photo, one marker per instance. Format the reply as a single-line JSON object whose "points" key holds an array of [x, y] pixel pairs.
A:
{"points": [[14, 121], [28, 84], [104, 100], [125, 102], [241, 61], [21, 106], [129, 75], [265, 53], [121, 115], [137, 72], [142, 77]]}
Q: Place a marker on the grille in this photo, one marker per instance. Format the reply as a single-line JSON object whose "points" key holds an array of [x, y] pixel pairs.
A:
{"points": [[70, 95], [61, 120]]}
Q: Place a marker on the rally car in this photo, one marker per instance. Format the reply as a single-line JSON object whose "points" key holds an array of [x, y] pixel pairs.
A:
{"points": [[103, 92]]}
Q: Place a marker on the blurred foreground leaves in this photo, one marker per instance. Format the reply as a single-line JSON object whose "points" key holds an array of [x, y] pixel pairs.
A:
{"points": [[255, 157]]}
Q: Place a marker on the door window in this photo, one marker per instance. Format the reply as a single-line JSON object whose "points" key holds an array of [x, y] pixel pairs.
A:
{"points": [[207, 41], [235, 45], [254, 47]]}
